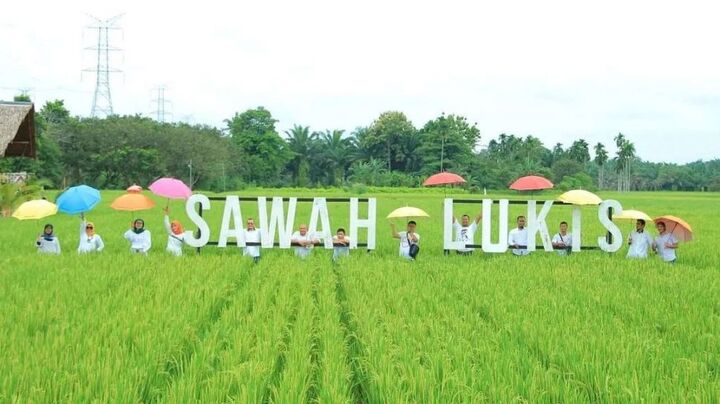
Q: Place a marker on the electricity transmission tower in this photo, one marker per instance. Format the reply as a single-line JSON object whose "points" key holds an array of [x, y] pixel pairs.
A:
{"points": [[160, 111], [102, 100]]}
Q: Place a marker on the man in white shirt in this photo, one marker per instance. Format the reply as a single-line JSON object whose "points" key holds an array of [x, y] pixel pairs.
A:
{"points": [[465, 232], [341, 245], [252, 236], [409, 240], [562, 241], [639, 241], [517, 238], [305, 240], [665, 244]]}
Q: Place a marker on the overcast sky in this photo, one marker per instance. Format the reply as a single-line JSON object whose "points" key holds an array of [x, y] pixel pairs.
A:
{"points": [[558, 70]]}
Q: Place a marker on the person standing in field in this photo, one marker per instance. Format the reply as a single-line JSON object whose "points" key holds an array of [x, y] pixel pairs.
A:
{"points": [[139, 238], [640, 241], [562, 241], [176, 235], [665, 244], [89, 241], [305, 240], [465, 232], [341, 245], [47, 242], [518, 238], [409, 240], [252, 235]]}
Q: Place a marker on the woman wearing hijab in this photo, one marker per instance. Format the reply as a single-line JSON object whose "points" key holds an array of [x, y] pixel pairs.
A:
{"points": [[175, 233], [138, 237], [89, 241], [47, 242]]}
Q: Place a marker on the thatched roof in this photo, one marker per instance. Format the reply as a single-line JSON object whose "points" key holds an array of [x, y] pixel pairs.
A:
{"points": [[17, 129]]}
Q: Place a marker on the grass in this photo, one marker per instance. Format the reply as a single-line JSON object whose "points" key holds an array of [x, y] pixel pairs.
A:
{"points": [[216, 328]]}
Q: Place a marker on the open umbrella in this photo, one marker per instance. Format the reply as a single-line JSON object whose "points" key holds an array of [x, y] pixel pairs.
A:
{"points": [[531, 183], [170, 188], [79, 199], [678, 227], [446, 178], [132, 202], [406, 213], [580, 197], [35, 209], [134, 188], [631, 214]]}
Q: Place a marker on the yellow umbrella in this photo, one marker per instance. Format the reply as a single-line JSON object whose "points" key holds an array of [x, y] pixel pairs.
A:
{"points": [[580, 197], [680, 228], [631, 214], [407, 212], [132, 202], [36, 209]]}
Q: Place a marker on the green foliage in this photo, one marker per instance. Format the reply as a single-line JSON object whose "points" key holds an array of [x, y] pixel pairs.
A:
{"points": [[565, 167], [392, 138], [447, 144]]}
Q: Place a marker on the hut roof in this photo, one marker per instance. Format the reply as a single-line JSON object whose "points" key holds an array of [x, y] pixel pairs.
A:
{"points": [[17, 129]]}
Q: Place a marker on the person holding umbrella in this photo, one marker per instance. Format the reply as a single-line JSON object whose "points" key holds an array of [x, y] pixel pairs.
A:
{"points": [[409, 240], [89, 241], [665, 244], [640, 241], [47, 242], [518, 237], [176, 234], [139, 237]]}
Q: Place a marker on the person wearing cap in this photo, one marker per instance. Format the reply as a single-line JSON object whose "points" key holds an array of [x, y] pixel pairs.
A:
{"points": [[640, 241], [305, 241], [562, 241], [465, 232], [47, 242], [176, 234], [252, 235], [139, 238], [518, 238], [89, 240], [665, 244]]}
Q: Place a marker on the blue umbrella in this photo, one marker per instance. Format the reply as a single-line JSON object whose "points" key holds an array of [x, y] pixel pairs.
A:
{"points": [[79, 199]]}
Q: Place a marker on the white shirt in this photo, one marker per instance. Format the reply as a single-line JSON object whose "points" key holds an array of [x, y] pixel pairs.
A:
{"points": [[519, 237], [252, 236], [302, 252], [175, 241], [466, 235], [341, 251], [87, 244], [139, 243], [641, 244], [48, 247], [405, 244], [566, 239], [667, 254]]}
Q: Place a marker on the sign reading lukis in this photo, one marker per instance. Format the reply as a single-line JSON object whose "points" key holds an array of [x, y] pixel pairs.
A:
{"points": [[279, 224]]}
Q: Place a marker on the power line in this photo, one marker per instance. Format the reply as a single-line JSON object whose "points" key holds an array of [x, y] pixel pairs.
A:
{"points": [[161, 111], [102, 100]]}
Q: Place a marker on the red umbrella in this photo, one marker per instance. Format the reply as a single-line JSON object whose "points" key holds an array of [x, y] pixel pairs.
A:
{"points": [[531, 183], [445, 178]]}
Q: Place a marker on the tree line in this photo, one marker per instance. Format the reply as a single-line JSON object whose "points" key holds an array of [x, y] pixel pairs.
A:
{"points": [[117, 151]]}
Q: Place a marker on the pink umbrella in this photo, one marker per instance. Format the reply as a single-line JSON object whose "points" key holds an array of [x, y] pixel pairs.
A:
{"points": [[170, 188], [531, 183]]}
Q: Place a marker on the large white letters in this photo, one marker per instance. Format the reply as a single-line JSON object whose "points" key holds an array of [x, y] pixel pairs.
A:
{"points": [[356, 222], [502, 244], [320, 211], [537, 223], [197, 220], [232, 211], [277, 221], [610, 226]]}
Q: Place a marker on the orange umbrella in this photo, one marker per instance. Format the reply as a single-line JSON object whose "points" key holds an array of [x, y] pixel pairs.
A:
{"points": [[445, 178], [132, 202], [531, 183], [678, 227]]}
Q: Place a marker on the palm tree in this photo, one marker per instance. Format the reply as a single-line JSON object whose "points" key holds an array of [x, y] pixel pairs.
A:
{"points": [[625, 156], [601, 158], [300, 141], [336, 150]]}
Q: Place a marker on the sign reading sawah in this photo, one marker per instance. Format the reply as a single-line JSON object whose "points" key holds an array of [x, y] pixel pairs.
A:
{"points": [[279, 224]]}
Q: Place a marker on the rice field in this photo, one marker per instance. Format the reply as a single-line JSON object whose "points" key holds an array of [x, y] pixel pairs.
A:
{"points": [[214, 327]]}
